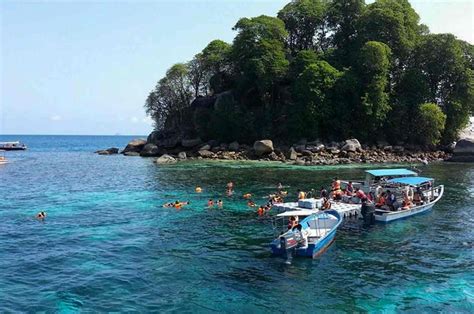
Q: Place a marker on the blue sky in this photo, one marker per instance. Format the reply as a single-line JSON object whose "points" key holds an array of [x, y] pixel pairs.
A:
{"points": [[86, 67]]}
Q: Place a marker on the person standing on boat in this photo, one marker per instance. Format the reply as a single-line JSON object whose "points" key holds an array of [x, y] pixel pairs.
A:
{"points": [[301, 236], [301, 195], [323, 192]]}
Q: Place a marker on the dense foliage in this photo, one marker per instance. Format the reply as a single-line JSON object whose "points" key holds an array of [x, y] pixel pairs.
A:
{"points": [[327, 69]]}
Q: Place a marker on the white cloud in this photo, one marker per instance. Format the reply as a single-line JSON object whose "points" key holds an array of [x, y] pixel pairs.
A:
{"points": [[134, 119], [55, 118]]}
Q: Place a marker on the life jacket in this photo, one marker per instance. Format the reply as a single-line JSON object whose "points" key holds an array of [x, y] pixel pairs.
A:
{"points": [[360, 194], [381, 201]]}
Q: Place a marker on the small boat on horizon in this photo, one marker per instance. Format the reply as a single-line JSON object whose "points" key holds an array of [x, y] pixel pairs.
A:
{"points": [[12, 146], [316, 234]]}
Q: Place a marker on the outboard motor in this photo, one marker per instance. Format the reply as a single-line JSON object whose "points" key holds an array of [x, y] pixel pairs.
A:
{"points": [[289, 242], [368, 213]]}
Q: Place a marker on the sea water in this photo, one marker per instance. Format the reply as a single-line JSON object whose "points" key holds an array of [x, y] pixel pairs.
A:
{"points": [[107, 243]]}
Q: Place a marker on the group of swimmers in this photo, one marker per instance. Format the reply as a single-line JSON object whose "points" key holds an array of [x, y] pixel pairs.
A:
{"points": [[211, 203], [176, 204]]}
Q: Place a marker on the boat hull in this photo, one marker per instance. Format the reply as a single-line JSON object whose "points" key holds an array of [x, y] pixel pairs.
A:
{"points": [[386, 217], [12, 148], [313, 250]]}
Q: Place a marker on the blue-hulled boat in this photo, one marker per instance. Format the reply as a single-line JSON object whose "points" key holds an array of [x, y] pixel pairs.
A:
{"points": [[318, 230]]}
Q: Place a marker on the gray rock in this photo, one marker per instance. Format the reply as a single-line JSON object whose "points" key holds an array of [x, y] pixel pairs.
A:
{"points": [[306, 152], [165, 159], [134, 146], [108, 151], [464, 151], [300, 162], [205, 147], [188, 143], [300, 148], [351, 145], [131, 154], [150, 150], [398, 149], [292, 155], [154, 137], [464, 146], [234, 146], [205, 153], [182, 155], [263, 147], [388, 148]]}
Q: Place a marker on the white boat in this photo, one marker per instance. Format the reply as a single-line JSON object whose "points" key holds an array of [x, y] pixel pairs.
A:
{"points": [[3, 159], [12, 146], [431, 195]]}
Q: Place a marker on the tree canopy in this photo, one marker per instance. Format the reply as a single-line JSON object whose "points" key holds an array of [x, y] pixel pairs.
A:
{"points": [[326, 69]]}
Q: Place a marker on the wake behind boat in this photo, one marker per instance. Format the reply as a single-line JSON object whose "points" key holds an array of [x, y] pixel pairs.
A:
{"points": [[310, 238]]}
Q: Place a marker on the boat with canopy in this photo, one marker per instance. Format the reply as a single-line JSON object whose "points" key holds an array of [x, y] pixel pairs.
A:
{"points": [[12, 146]]}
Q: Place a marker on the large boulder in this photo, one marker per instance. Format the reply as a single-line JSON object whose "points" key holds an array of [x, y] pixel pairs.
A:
{"points": [[150, 150], [165, 159], [351, 145], [464, 151], [108, 151], [263, 147], [154, 137], [189, 143], [292, 155], [205, 147], [135, 145], [234, 146], [182, 155]]}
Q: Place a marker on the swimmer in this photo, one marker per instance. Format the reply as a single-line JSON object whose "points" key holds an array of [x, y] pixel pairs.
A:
{"points": [[251, 204], [198, 189], [247, 196], [220, 203], [168, 205], [261, 211], [179, 204], [210, 203], [41, 215], [230, 186]]}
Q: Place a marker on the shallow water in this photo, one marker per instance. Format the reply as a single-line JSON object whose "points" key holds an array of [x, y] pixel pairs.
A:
{"points": [[108, 245]]}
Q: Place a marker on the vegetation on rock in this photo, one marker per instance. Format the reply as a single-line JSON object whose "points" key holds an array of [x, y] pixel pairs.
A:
{"points": [[327, 69]]}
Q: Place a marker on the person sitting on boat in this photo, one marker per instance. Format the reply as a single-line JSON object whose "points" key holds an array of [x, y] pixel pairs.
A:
{"points": [[406, 204], [210, 203], [310, 194], [292, 222], [301, 195], [350, 189], [41, 215], [326, 204], [323, 192], [301, 236], [391, 200], [359, 194], [418, 196], [381, 200]]}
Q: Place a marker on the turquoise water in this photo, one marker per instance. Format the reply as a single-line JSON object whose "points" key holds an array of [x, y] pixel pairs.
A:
{"points": [[108, 245]]}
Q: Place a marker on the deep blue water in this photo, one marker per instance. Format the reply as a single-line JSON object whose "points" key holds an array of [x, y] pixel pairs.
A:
{"points": [[108, 244]]}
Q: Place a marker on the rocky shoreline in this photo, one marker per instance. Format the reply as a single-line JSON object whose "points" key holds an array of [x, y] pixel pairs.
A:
{"points": [[307, 153]]}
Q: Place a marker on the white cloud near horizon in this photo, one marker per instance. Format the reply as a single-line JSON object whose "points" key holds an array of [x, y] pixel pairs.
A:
{"points": [[55, 117]]}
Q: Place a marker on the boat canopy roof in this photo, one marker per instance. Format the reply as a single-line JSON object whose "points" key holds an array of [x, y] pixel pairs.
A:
{"points": [[391, 172], [306, 212], [9, 143], [411, 180]]}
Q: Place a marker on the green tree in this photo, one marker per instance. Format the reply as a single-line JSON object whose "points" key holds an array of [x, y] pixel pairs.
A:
{"points": [[312, 90], [343, 17], [259, 55], [374, 66], [393, 22], [170, 98], [430, 124], [217, 62], [301, 61], [305, 20]]}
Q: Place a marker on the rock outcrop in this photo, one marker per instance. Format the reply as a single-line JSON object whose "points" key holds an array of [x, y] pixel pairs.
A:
{"points": [[150, 150], [464, 151], [134, 146], [351, 145], [263, 147], [108, 151], [165, 159], [191, 142]]}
